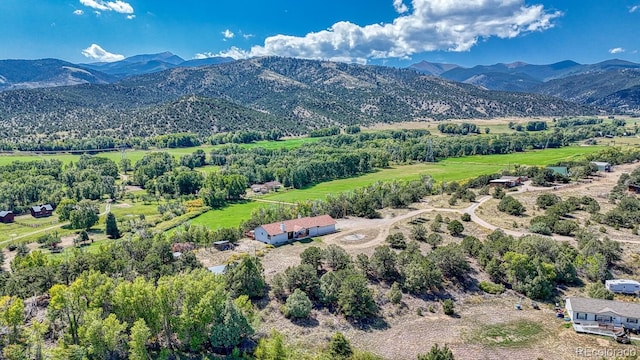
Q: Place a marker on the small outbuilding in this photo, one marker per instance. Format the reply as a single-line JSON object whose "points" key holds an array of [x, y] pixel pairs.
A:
{"points": [[223, 245], [6, 217], [559, 170], [40, 211], [602, 166], [506, 182], [623, 286], [296, 229]]}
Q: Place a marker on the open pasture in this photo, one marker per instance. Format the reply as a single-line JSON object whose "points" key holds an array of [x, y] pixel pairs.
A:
{"points": [[135, 155], [229, 216], [452, 169]]}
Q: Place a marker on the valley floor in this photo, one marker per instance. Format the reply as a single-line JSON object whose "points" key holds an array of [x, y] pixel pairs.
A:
{"points": [[485, 326]]}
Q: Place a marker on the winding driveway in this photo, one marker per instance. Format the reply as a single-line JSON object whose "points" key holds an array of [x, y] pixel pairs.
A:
{"points": [[385, 225]]}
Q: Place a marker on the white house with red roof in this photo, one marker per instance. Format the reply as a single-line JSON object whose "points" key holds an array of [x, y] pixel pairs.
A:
{"points": [[296, 229]]}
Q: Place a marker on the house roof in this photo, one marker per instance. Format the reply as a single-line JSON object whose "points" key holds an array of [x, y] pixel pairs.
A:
{"points": [[600, 163], [562, 170], [599, 306], [622, 282], [298, 224], [39, 208], [5, 213], [502, 180]]}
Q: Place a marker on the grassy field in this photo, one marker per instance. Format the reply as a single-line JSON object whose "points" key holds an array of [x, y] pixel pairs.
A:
{"points": [[510, 335], [453, 169], [135, 155], [286, 144], [21, 226], [230, 216], [532, 158]]}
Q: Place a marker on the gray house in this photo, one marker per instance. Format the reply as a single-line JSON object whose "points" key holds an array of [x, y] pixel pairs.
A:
{"points": [[598, 316], [296, 229]]}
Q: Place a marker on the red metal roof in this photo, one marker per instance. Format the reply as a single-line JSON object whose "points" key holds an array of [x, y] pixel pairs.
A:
{"points": [[298, 224]]}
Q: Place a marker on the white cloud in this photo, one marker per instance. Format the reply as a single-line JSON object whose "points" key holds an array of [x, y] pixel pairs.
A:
{"points": [[452, 25], [634, 8], [118, 6], [247, 36], [400, 7], [233, 52], [131, 17], [228, 34], [95, 52], [78, 12], [617, 50]]}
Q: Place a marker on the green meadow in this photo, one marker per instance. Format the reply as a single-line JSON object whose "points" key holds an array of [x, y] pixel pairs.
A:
{"points": [[453, 169], [135, 155], [229, 216]]}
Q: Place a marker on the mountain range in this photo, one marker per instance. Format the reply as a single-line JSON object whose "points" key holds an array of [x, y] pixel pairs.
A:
{"points": [[293, 95], [31, 74], [150, 63], [612, 84]]}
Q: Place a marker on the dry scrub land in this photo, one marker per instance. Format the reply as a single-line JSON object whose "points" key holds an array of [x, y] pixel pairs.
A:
{"points": [[485, 326]]}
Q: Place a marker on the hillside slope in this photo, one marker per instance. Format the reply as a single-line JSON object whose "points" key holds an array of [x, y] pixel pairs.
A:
{"points": [[290, 94], [30, 74]]}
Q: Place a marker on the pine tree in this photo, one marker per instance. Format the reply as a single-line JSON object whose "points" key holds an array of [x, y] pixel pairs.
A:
{"points": [[140, 335], [339, 347], [112, 226], [231, 328], [298, 305]]}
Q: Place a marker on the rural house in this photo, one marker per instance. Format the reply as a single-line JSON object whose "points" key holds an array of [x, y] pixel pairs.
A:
{"points": [[597, 316], [6, 217], [506, 182], [296, 229], [266, 187], [623, 286], [602, 166], [39, 211]]}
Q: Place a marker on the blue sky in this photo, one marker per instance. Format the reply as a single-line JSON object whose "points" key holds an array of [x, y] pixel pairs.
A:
{"points": [[392, 32]]}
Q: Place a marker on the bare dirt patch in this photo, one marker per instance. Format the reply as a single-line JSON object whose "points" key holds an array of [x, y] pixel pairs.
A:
{"points": [[132, 188], [123, 206], [471, 334], [598, 187]]}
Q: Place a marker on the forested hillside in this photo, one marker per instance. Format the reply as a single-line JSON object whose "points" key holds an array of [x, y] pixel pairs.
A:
{"points": [[292, 95]]}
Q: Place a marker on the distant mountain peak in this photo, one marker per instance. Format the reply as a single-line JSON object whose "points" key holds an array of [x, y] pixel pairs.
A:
{"points": [[516, 64], [166, 56], [431, 68]]}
